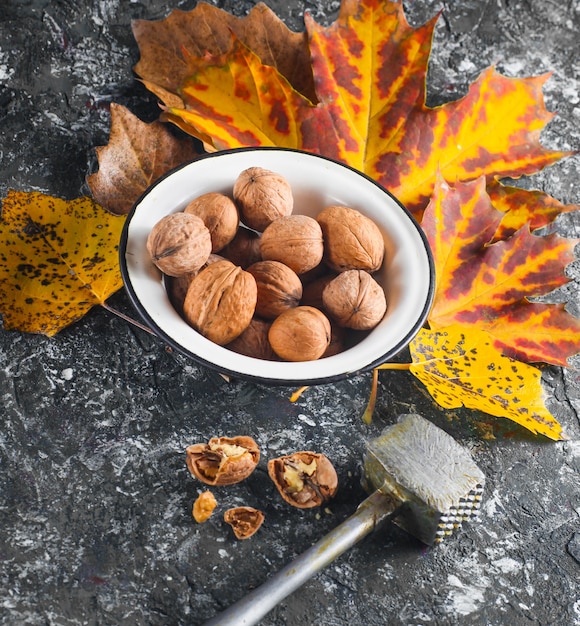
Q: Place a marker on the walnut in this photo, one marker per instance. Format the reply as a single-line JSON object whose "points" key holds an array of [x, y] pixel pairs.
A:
{"points": [[223, 460], [304, 479], [337, 340], [177, 286], [312, 291], [279, 288], [351, 240], [254, 341], [220, 301], [262, 196], [244, 249], [355, 300], [300, 334], [203, 507], [220, 215], [244, 520], [295, 240], [179, 244]]}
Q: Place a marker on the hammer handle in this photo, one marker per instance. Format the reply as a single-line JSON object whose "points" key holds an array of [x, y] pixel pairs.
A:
{"points": [[376, 509]]}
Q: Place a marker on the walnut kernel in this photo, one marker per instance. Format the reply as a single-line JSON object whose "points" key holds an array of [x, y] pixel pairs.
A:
{"points": [[203, 507]]}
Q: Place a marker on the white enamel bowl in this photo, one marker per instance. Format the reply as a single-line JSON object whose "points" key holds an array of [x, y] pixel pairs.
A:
{"points": [[407, 274]]}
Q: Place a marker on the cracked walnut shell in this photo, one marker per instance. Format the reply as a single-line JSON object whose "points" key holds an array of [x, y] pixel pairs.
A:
{"points": [[304, 479], [223, 460], [244, 520]]}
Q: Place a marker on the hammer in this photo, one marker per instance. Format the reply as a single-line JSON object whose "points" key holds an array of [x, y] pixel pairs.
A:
{"points": [[418, 476]]}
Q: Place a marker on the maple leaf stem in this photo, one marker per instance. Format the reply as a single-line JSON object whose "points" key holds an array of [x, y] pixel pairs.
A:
{"points": [[394, 366], [298, 393], [127, 318], [367, 416]]}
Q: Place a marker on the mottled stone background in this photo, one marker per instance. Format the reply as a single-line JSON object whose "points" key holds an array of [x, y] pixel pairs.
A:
{"points": [[95, 498]]}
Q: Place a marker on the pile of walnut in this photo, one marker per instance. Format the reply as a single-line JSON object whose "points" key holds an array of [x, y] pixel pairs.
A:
{"points": [[304, 479], [283, 286]]}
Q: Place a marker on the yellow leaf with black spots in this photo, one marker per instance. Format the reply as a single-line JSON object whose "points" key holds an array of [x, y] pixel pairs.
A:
{"points": [[58, 259], [460, 367]]}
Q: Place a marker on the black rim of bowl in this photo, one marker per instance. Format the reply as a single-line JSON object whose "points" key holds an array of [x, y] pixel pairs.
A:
{"points": [[136, 302]]}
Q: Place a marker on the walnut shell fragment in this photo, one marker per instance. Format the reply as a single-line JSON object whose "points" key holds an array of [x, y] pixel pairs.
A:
{"points": [[203, 507], [304, 479], [244, 520], [223, 460], [355, 300], [262, 196], [351, 240]]}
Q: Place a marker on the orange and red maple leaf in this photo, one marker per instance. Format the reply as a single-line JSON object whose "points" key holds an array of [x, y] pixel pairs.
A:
{"points": [[369, 110], [490, 284]]}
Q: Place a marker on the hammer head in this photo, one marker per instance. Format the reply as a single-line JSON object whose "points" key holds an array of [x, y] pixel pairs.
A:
{"points": [[433, 477]]}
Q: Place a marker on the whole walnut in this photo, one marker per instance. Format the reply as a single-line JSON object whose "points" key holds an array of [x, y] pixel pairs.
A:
{"points": [[179, 243], [295, 240], [351, 240], [244, 249], [219, 213], [279, 288], [262, 196], [355, 300], [221, 301], [177, 286], [300, 334], [312, 291], [254, 341], [337, 340]]}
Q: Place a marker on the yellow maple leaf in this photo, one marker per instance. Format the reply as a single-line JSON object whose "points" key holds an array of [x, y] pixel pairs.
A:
{"points": [[460, 367], [58, 259]]}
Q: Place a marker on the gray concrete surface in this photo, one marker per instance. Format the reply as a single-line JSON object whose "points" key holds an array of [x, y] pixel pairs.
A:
{"points": [[95, 498]]}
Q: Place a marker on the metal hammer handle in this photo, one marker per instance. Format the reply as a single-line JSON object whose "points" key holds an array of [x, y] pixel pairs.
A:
{"points": [[376, 509]]}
